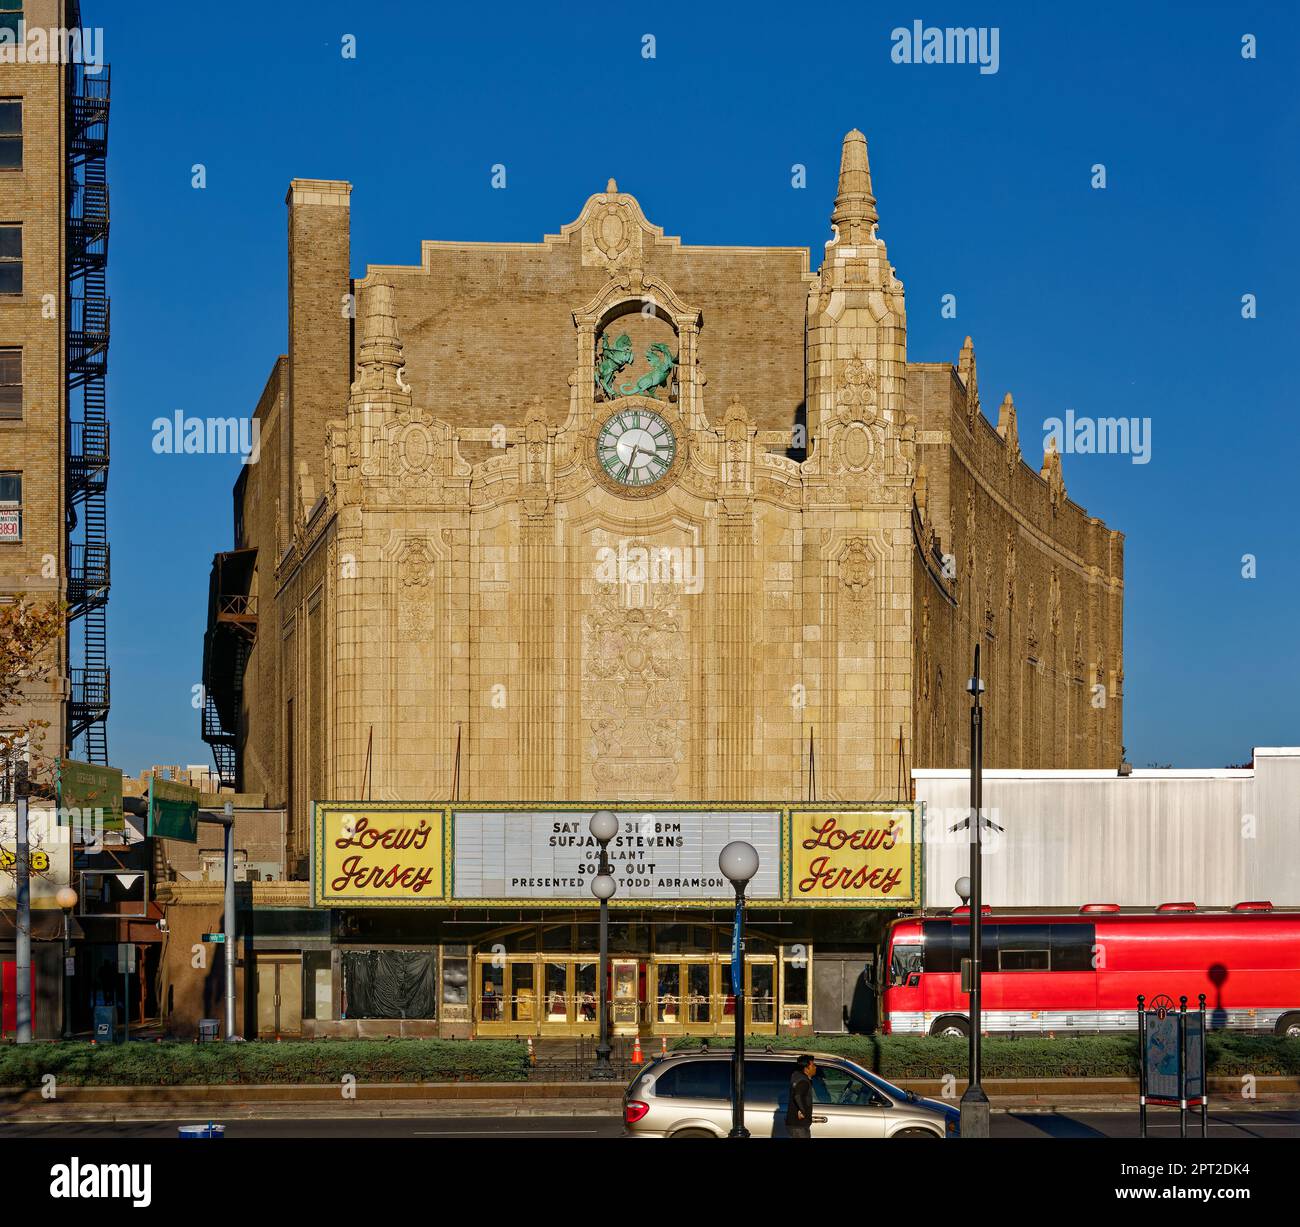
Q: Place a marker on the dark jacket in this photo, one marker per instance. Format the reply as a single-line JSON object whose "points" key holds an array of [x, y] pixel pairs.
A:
{"points": [[799, 1110]]}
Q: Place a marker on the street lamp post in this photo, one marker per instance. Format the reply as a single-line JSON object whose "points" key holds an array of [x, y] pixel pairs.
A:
{"points": [[739, 863], [67, 900], [975, 1103], [603, 826]]}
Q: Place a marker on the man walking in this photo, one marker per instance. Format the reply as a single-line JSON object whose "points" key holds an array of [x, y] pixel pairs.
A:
{"points": [[798, 1114]]}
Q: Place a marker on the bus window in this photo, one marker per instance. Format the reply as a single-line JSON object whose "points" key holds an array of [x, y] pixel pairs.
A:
{"points": [[1024, 948], [946, 944], [905, 961], [1073, 947]]}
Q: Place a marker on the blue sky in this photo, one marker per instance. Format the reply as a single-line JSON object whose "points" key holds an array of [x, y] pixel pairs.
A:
{"points": [[1123, 302]]}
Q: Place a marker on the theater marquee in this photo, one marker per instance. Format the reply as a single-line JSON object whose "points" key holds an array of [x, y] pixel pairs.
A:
{"points": [[387, 854]]}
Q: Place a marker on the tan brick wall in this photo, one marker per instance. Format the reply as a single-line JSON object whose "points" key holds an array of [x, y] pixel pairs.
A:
{"points": [[1040, 586], [35, 197]]}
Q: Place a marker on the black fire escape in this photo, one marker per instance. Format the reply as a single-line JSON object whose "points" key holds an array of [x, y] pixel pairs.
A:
{"points": [[231, 633], [87, 455]]}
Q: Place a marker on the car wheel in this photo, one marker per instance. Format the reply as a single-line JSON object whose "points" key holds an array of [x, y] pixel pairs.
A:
{"points": [[950, 1029], [915, 1133], [692, 1133], [1288, 1026]]}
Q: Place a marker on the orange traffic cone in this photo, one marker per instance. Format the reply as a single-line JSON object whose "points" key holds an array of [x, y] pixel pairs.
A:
{"points": [[663, 1045], [532, 1055], [637, 1057]]}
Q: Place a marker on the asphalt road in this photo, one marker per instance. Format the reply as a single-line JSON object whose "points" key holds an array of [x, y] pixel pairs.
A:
{"points": [[1163, 1124]]}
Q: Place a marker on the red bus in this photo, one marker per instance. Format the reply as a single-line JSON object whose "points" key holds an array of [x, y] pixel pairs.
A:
{"points": [[1082, 972]]}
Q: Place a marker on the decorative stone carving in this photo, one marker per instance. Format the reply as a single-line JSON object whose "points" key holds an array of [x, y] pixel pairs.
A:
{"points": [[855, 395], [1010, 431], [634, 686], [1055, 478], [613, 230], [414, 603], [1010, 567], [857, 589], [966, 370]]}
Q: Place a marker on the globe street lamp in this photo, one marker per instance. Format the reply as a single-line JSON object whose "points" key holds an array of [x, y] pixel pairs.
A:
{"points": [[603, 827], [739, 863], [67, 900], [975, 1103]]}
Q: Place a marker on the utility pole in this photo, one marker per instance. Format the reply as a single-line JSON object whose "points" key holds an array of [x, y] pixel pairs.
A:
{"points": [[23, 911], [228, 923], [975, 1103]]}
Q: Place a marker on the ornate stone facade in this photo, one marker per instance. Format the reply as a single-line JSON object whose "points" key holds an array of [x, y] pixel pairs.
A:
{"points": [[473, 592]]}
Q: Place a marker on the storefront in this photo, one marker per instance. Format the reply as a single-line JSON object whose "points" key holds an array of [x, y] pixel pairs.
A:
{"points": [[479, 920]]}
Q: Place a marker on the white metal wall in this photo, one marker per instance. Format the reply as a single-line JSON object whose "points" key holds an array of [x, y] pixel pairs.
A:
{"points": [[1072, 837]]}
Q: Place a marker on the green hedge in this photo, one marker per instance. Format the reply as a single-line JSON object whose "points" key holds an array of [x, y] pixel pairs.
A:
{"points": [[423, 1060], [175, 1064], [1093, 1056]]}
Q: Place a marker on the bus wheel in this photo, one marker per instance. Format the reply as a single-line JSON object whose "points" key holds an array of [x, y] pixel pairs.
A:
{"points": [[1289, 1026], [950, 1028]]}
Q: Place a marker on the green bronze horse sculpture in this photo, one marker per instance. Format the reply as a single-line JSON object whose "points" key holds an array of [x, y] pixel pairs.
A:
{"points": [[613, 358]]}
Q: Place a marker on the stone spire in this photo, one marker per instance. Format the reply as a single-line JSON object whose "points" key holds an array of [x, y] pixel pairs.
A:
{"points": [[855, 207], [1009, 429], [380, 357]]}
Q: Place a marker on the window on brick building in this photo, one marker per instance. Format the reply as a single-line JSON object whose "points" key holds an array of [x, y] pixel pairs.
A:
{"points": [[11, 383], [11, 507], [11, 16], [11, 134], [11, 258]]}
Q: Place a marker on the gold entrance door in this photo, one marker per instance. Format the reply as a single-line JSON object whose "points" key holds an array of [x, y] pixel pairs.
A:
{"points": [[569, 1003], [760, 996], [507, 995], [681, 999], [668, 997]]}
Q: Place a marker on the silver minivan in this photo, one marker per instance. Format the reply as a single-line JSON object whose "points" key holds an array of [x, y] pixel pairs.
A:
{"points": [[688, 1095]]}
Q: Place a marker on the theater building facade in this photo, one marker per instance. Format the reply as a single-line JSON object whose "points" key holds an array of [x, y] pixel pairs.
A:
{"points": [[609, 520]]}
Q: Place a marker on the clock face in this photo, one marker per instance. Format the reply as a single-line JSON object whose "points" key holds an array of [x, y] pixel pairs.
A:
{"points": [[636, 447]]}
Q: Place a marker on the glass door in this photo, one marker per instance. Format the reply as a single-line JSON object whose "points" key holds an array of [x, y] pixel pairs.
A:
{"points": [[760, 995], [700, 1016], [507, 995], [586, 1003], [669, 1006]]}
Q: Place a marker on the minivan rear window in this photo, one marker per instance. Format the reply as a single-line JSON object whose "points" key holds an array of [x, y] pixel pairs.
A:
{"points": [[695, 1080]]}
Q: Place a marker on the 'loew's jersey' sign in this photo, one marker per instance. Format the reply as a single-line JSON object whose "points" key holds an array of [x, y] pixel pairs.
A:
{"points": [[377, 854]]}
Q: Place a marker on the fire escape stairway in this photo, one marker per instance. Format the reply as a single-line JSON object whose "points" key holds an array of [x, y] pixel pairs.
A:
{"points": [[88, 332]]}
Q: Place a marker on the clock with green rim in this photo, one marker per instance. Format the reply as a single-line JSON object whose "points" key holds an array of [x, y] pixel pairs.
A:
{"points": [[636, 447]]}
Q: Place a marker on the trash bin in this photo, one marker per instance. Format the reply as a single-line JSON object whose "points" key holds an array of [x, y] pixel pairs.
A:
{"points": [[189, 1133], [105, 1024], [208, 1030]]}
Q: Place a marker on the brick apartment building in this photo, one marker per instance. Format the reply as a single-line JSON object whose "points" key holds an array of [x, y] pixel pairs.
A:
{"points": [[54, 324]]}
